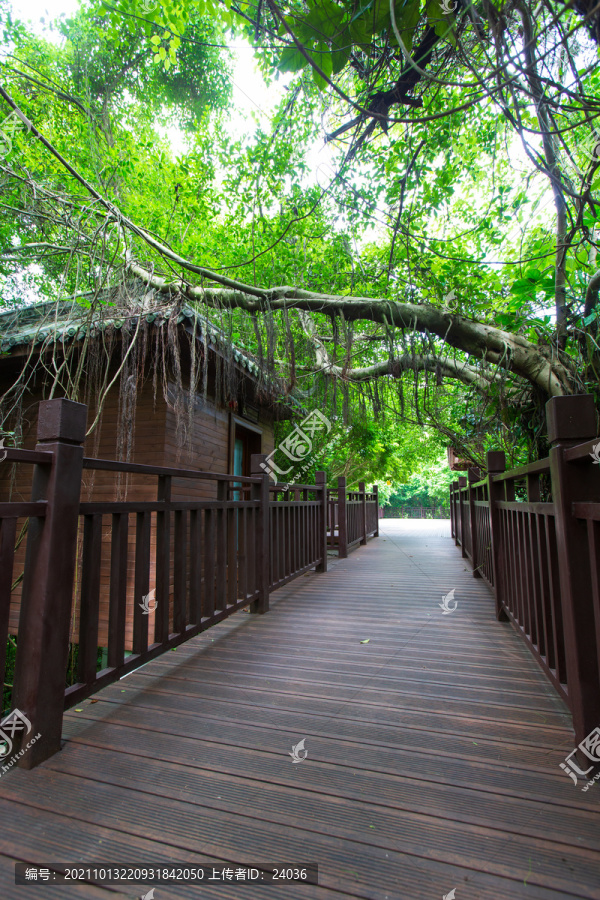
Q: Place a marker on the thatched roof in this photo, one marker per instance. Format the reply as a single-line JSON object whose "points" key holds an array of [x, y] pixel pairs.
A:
{"points": [[66, 321]]}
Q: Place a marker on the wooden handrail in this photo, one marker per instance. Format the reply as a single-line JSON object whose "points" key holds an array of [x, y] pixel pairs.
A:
{"points": [[39, 457], [541, 557], [162, 471]]}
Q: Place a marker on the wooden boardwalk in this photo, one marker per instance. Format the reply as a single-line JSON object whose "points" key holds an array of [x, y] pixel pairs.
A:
{"points": [[433, 749]]}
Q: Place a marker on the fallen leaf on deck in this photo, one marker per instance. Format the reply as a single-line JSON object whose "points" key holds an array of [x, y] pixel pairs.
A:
{"points": [[366, 641]]}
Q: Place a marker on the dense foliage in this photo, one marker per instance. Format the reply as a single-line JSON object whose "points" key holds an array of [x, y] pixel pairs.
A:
{"points": [[435, 282]]}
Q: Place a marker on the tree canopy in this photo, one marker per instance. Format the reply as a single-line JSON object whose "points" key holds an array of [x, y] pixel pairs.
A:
{"points": [[437, 276]]}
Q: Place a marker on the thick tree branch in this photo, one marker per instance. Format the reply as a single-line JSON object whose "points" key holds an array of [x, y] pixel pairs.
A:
{"points": [[409, 362], [509, 351]]}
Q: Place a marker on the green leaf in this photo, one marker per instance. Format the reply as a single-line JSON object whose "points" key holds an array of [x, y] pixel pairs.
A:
{"points": [[339, 58], [292, 60], [407, 18], [319, 80], [360, 34], [441, 22], [323, 58], [324, 18]]}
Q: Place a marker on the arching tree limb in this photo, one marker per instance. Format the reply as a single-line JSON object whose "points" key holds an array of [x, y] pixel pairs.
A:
{"points": [[509, 351]]}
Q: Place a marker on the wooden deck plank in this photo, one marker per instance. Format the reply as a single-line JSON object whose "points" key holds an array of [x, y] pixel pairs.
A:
{"points": [[433, 750], [379, 724], [375, 794]]}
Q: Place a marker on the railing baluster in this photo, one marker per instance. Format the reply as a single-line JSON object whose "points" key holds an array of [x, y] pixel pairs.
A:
{"points": [[538, 586], [554, 575], [89, 598], [163, 560], [117, 613], [221, 570], [262, 494], [252, 550], [287, 518], [342, 518], [141, 582], [242, 554], [179, 572], [196, 591], [321, 482], [209, 562], [532, 583], [8, 530], [232, 569]]}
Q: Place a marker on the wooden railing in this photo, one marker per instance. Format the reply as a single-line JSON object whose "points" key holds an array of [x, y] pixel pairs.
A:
{"points": [[352, 516], [126, 581], [533, 535], [298, 531], [416, 512]]}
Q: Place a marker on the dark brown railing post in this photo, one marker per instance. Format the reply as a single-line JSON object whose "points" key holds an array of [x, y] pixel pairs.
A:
{"points": [[452, 520], [321, 481], [496, 464], [342, 518], [462, 482], [262, 537], [363, 497], [456, 511], [571, 421], [376, 492], [45, 616], [473, 475]]}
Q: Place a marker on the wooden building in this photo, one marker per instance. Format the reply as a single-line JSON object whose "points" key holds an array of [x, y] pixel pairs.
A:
{"points": [[166, 387]]}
